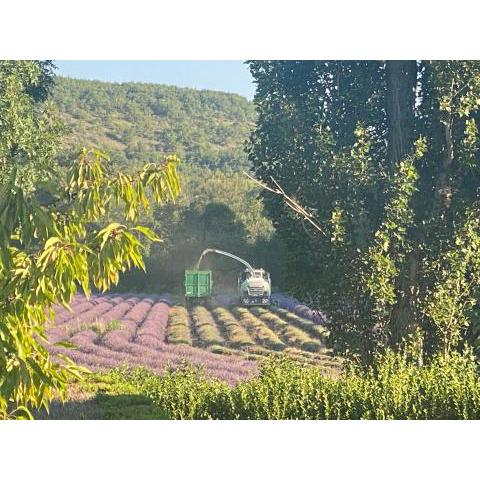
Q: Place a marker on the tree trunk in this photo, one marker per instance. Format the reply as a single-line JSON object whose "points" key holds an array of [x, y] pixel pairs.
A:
{"points": [[400, 105], [400, 109]]}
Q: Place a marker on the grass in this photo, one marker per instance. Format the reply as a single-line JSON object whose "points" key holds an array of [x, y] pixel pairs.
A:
{"points": [[103, 396]]}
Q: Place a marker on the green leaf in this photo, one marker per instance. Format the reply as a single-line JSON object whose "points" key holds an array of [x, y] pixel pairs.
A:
{"points": [[148, 233]]}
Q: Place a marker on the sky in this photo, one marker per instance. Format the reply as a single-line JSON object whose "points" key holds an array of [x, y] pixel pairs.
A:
{"points": [[225, 75]]}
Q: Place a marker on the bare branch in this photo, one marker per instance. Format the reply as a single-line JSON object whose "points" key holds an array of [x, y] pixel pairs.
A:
{"points": [[291, 203], [258, 182]]}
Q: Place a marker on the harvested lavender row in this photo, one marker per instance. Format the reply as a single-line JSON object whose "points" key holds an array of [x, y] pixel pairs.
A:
{"points": [[205, 328]]}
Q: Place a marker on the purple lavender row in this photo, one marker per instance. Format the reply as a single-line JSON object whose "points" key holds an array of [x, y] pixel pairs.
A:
{"points": [[81, 305], [118, 349], [91, 315], [83, 313], [119, 310], [131, 321], [152, 335], [101, 309], [154, 325], [106, 361], [62, 329], [294, 306], [141, 341]]}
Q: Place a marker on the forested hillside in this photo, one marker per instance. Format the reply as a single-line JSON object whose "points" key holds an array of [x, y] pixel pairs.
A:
{"points": [[136, 122], [218, 207]]}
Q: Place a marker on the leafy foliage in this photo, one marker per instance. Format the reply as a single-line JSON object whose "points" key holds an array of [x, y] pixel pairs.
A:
{"points": [[217, 209], [392, 388], [392, 181], [49, 243]]}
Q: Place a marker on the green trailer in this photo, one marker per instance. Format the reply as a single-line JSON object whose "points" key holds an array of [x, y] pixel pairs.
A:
{"points": [[198, 286]]}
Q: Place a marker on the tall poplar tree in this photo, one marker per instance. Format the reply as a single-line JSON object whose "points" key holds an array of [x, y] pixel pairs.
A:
{"points": [[384, 154]]}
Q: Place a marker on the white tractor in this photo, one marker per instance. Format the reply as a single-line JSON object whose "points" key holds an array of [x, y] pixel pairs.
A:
{"points": [[254, 284]]}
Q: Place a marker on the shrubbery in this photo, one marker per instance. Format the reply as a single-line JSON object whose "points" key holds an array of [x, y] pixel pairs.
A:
{"points": [[392, 388]]}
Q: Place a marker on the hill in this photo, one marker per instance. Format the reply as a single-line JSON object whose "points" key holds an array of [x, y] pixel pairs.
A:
{"points": [[135, 122], [218, 207]]}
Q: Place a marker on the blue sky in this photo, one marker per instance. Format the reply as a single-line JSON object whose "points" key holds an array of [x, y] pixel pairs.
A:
{"points": [[225, 75]]}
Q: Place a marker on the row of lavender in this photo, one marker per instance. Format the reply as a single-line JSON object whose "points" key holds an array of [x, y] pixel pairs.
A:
{"points": [[293, 305], [283, 301], [140, 340]]}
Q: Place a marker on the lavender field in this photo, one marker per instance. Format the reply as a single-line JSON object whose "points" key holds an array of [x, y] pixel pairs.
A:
{"points": [[113, 330]]}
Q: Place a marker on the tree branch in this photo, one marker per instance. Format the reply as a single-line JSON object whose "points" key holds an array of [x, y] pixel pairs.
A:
{"points": [[291, 203]]}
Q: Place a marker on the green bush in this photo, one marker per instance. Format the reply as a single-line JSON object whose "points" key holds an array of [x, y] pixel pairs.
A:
{"points": [[184, 393], [392, 388]]}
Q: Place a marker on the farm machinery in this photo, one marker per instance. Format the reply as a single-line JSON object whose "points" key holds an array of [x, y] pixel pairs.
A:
{"points": [[254, 284]]}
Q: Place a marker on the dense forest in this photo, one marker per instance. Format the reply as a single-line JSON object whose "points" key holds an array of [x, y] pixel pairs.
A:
{"points": [[135, 123]]}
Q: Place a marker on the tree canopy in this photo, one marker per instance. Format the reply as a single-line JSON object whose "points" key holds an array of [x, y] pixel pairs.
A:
{"points": [[52, 237], [135, 123], [385, 156]]}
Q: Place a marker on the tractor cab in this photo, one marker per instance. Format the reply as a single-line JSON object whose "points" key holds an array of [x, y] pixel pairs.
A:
{"points": [[258, 273], [254, 287]]}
